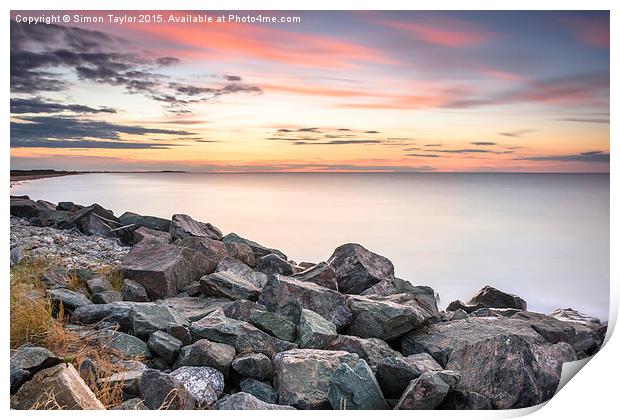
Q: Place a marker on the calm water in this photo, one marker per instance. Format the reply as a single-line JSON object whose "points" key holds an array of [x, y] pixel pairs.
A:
{"points": [[544, 237]]}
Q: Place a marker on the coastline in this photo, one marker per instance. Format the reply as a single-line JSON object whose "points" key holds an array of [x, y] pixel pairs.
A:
{"points": [[19, 177]]}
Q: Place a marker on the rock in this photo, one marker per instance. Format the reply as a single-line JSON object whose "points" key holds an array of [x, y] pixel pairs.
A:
{"points": [[163, 391], [394, 373], [322, 274], [502, 359], [26, 361], [181, 333], [107, 297], [146, 318], [146, 234], [274, 324], [465, 400], [194, 308], [356, 388], [68, 206], [165, 346], [25, 208], [260, 390], [253, 365], [148, 222], [302, 376], [129, 380], [258, 250], [243, 309], [125, 344], [125, 234], [315, 332], [287, 296], [228, 285], [46, 205], [241, 252], [111, 313], [207, 353], [213, 251], [131, 404], [245, 401], [589, 332], [62, 382], [192, 289], [458, 314], [163, 269], [89, 371], [204, 384], [375, 316], [272, 264], [490, 297], [93, 224], [485, 312], [457, 304], [243, 336], [237, 267], [16, 256], [134, 292], [372, 350], [98, 284], [357, 269], [69, 299], [183, 226], [551, 329], [427, 391]]}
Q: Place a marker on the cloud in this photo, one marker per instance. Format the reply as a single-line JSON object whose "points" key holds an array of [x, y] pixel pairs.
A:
{"points": [[432, 145], [465, 151], [41, 106], [315, 136], [483, 143], [422, 155], [596, 156], [585, 120], [592, 31], [516, 133], [337, 142], [62, 132]]}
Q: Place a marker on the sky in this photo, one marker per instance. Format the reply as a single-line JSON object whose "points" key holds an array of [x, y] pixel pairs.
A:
{"points": [[469, 91]]}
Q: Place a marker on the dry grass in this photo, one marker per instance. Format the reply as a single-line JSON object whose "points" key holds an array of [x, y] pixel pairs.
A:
{"points": [[114, 276]]}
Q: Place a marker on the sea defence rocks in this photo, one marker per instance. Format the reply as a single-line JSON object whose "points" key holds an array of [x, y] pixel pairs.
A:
{"points": [[357, 268], [322, 274], [26, 361], [183, 226], [427, 391], [258, 249], [356, 388], [287, 296], [147, 222], [490, 297], [228, 285], [245, 401]]}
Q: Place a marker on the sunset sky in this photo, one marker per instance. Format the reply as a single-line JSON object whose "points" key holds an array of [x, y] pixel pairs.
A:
{"points": [[339, 91]]}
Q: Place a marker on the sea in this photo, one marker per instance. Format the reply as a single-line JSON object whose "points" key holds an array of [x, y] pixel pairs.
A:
{"points": [[544, 237]]}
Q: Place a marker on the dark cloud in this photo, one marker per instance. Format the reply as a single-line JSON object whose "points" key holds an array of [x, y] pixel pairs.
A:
{"points": [[516, 133], [596, 156], [433, 145], [44, 131], [232, 78], [465, 151], [422, 155], [41, 106], [167, 61], [371, 132], [483, 143], [336, 142], [585, 120]]}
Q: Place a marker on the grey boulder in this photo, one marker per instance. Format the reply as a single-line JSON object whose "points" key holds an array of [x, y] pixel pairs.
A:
{"points": [[357, 268], [356, 388]]}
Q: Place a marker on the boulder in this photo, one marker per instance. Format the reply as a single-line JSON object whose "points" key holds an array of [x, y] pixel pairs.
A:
{"points": [[212, 251], [485, 312], [125, 234], [243, 270], [302, 376], [465, 400], [243, 309], [181, 333], [589, 332], [241, 252], [131, 404], [490, 297], [165, 346], [163, 391], [124, 344], [107, 297], [427, 391], [253, 365], [258, 249], [24, 207], [146, 234], [457, 304], [551, 329], [163, 269], [458, 314], [394, 373], [243, 336], [261, 390], [134, 292], [356, 388], [68, 206], [503, 359], [228, 285], [148, 222], [273, 324], [26, 361], [287, 296], [315, 332], [273, 264], [93, 224], [322, 274], [357, 268], [82, 219], [245, 401], [147, 318], [376, 316], [372, 350], [111, 313], [194, 308], [183, 226], [204, 384], [70, 300], [129, 380], [207, 353], [56, 387], [16, 255], [98, 284]]}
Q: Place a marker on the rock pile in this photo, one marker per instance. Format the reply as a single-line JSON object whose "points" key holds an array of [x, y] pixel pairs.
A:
{"points": [[223, 322]]}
